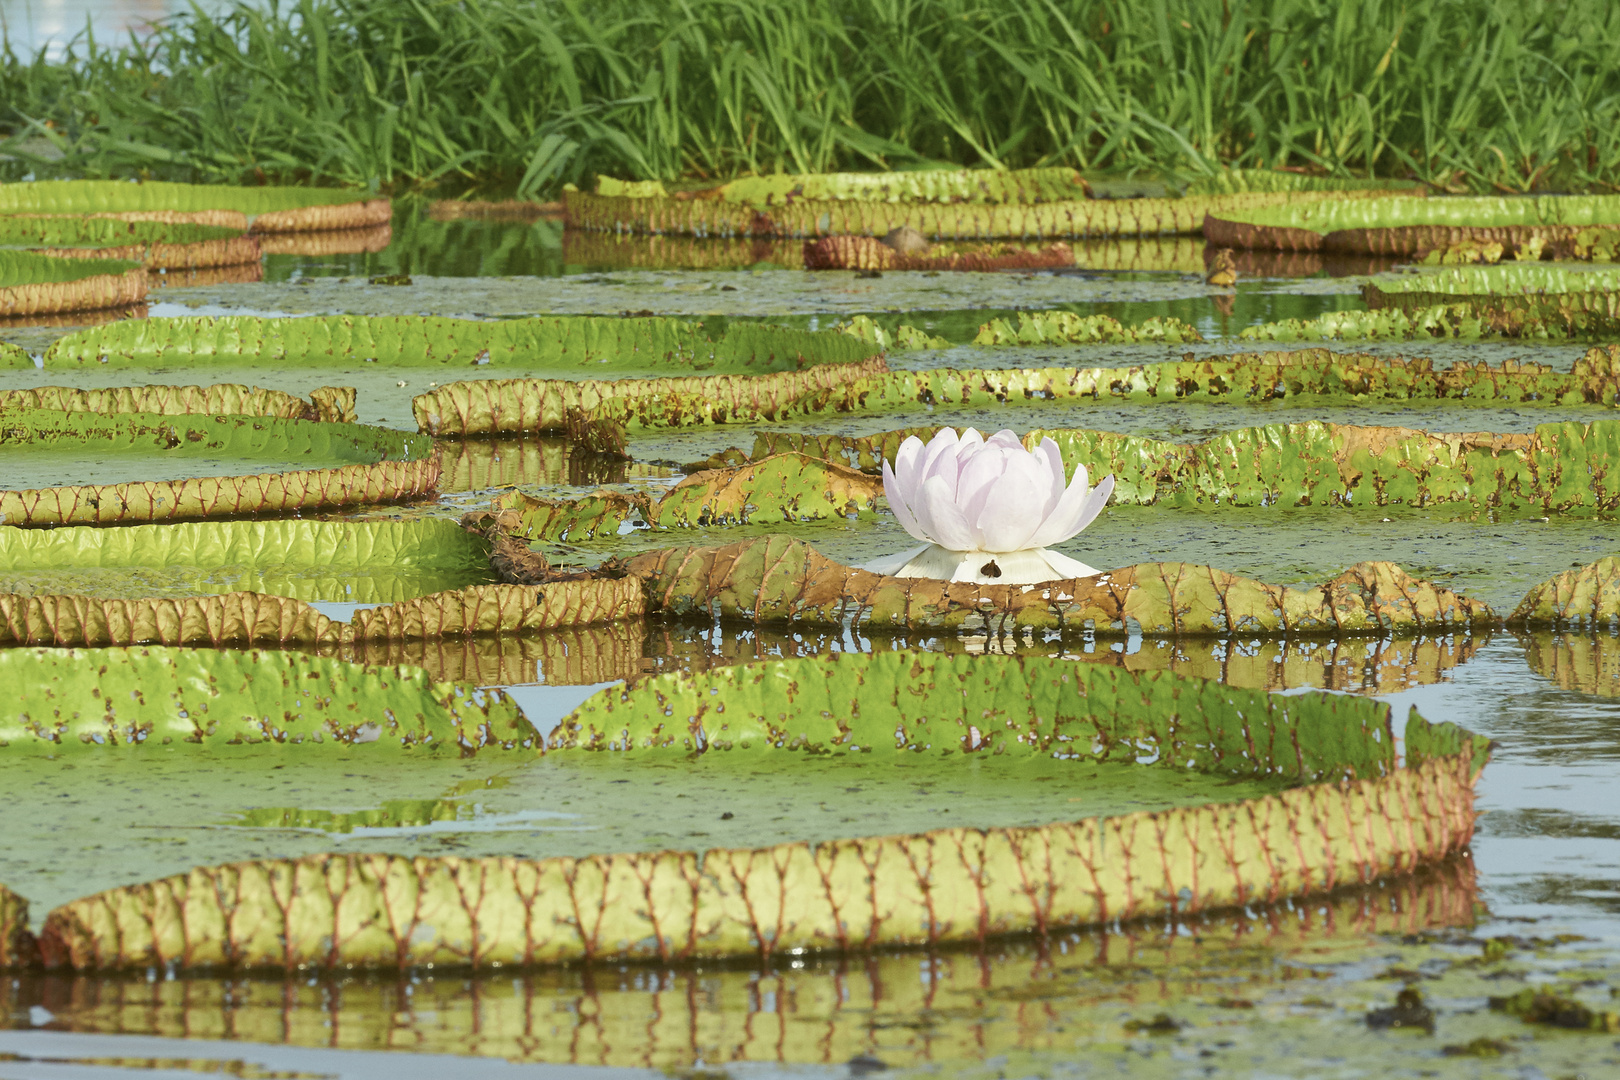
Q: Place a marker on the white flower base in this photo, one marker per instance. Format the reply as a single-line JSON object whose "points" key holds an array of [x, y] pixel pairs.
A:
{"points": [[1032, 566]]}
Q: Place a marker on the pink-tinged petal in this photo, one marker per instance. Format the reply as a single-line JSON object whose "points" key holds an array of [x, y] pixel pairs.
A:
{"points": [[906, 462], [1054, 461], [980, 475], [1006, 438], [1009, 516], [1037, 469], [894, 492], [1077, 509], [941, 518], [939, 458]]}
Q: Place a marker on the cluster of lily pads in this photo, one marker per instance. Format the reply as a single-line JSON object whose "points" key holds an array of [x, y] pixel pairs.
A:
{"points": [[226, 666]]}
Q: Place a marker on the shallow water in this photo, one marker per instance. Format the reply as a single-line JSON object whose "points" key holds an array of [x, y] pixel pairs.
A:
{"points": [[1270, 992]]}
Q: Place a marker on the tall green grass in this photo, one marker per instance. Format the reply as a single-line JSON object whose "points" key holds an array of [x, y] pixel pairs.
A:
{"points": [[527, 94]]}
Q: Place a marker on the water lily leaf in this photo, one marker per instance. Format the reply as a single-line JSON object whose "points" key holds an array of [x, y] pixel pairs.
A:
{"points": [[1585, 597], [155, 245], [850, 703], [245, 618], [492, 406], [267, 208], [41, 285], [1525, 301], [931, 186], [51, 446], [563, 342], [1451, 321], [1066, 327], [777, 489], [330, 404], [868, 253], [779, 579], [1313, 373], [824, 1013], [1404, 226], [1560, 467], [1232, 181], [904, 338], [1366, 818], [780, 488], [650, 211], [615, 251], [88, 700]]}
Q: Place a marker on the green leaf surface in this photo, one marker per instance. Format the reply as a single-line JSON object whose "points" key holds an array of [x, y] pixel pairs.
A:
{"points": [[960, 704], [24, 268], [20, 230], [1365, 817], [101, 700], [48, 448], [586, 344], [113, 196], [784, 581], [1066, 327], [1332, 215]]}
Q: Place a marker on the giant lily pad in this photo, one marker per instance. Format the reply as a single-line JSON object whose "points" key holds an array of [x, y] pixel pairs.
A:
{"points": [[155, 245], [494, 406], [358, 562], [40, 285], [1560, 467], [1586, 597], [814, 1010], [1412, 226], [646, 209], [247, 618], [330, 404], [779, 579], [67, 454], [264, 209], [1532, 299], [64, 701], [1317, 374], [584, 344], [1334, 755]]}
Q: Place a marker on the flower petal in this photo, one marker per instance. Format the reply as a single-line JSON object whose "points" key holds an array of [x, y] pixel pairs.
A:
{"points": [[941, 518], [907, 459], [893, 490], [1077, 509], [1010, 514], [980, 475]]}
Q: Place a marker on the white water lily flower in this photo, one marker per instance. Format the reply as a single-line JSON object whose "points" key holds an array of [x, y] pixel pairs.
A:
{"points": [[987, 510]]}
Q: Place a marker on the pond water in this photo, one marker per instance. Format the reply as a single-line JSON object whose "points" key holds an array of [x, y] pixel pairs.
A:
{"points": [[1269, 991]]}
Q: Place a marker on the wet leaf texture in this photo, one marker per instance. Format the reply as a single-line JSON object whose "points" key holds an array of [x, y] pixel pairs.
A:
{"points": [[950, 885]]}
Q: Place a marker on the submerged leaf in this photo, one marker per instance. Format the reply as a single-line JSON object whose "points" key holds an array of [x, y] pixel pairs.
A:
{"points": [[948, 885]]}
